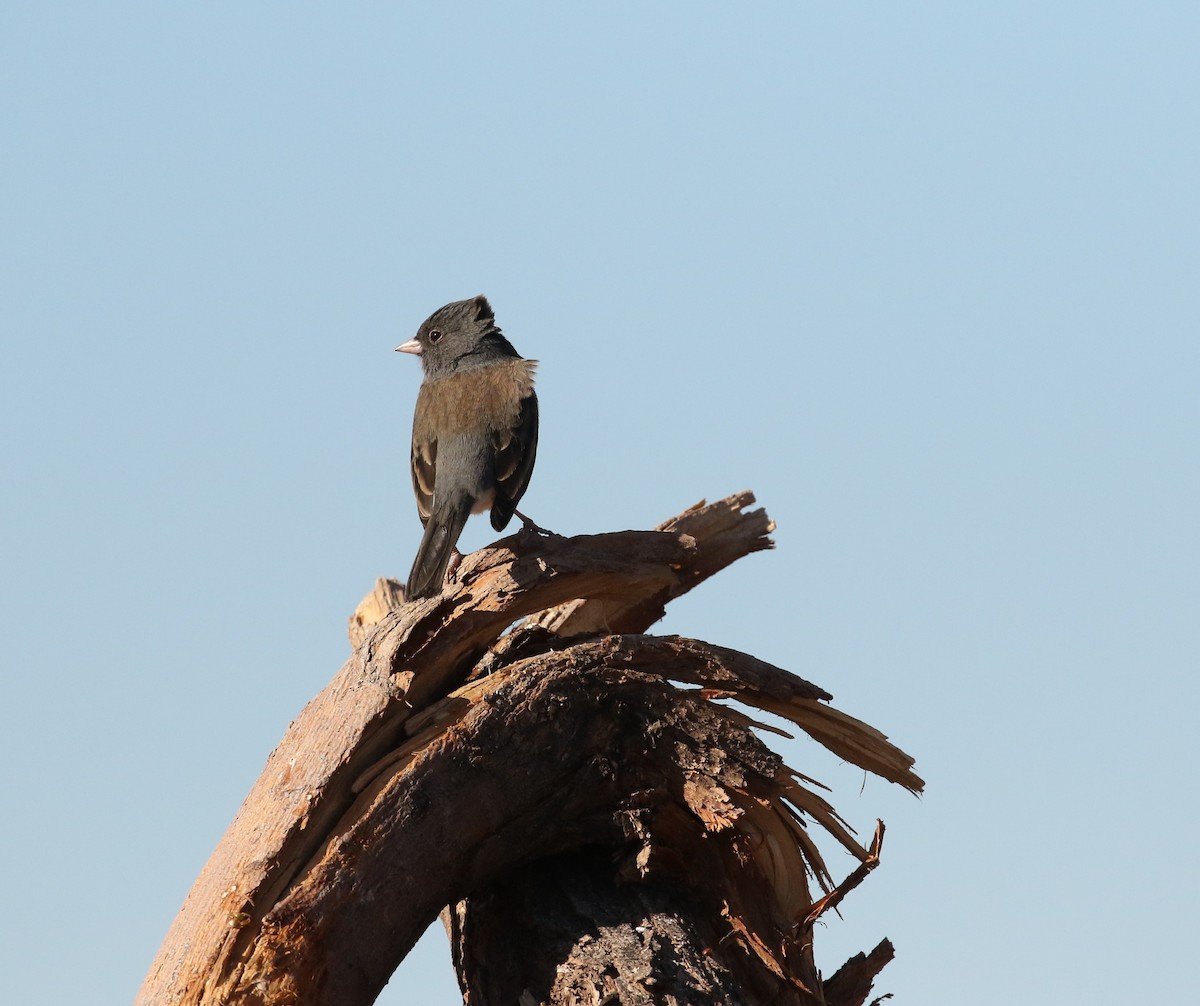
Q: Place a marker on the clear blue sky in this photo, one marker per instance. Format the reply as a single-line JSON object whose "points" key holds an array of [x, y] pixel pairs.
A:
{"points": [[924, 276]]}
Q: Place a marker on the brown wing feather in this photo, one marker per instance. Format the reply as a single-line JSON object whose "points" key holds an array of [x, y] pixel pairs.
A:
{"points": [[424, 470]]}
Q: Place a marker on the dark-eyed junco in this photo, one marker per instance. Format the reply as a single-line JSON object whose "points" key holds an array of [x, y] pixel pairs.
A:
{"points": [[475, 431]]}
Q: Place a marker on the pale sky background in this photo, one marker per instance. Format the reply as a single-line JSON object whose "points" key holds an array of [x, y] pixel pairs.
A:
{"points": [[923, 276]]}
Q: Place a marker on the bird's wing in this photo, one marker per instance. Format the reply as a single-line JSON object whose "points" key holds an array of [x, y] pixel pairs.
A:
{"points": [[424, 468], [515, 452]]}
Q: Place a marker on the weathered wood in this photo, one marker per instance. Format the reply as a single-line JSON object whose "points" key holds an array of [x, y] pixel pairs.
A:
{"points": [[851, 983], [446, 754], [594, 940], [723, 532], [385, 596]]}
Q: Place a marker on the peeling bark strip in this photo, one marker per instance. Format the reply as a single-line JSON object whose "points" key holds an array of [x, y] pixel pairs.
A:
{"points": [[449, 757]]}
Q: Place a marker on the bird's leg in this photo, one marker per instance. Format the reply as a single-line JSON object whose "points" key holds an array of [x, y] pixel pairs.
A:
{"points": [[528, 525], [452, 566]]}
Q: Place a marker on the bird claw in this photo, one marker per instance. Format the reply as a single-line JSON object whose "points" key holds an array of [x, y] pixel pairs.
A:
{"points": [[456, 557], [529, 527]]}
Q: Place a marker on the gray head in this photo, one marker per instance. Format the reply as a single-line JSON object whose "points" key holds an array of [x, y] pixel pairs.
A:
{"points": [[459, 336]]}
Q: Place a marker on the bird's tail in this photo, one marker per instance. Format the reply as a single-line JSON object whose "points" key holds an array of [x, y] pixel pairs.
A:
{"points": [[442, 529]]}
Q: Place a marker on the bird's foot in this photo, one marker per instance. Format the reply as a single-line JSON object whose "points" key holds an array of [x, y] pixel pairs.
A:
{"points": [[456, 557], [530, 527]]}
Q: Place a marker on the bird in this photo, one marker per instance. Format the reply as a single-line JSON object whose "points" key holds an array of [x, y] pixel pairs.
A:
{"points": [[474, 436]]}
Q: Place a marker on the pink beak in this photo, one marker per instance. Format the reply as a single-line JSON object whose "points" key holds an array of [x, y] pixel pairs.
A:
{"points": [[412, 346]]}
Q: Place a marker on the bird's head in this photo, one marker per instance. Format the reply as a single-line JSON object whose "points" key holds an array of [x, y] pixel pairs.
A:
{"points": [[458, 335]]}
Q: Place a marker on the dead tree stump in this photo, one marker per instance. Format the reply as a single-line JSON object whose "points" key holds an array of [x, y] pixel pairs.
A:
{"points": [[604, 826]]}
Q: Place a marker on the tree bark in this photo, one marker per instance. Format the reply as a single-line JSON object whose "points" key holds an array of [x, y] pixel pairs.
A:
{"points": [[565, 931], [450, 760]]}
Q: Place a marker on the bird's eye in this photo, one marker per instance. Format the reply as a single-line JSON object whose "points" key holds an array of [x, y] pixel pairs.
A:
{"points": [[435, 335]]}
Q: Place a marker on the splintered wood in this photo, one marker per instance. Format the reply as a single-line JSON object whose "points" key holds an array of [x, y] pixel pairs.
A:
{"points": [[453, 753]]}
